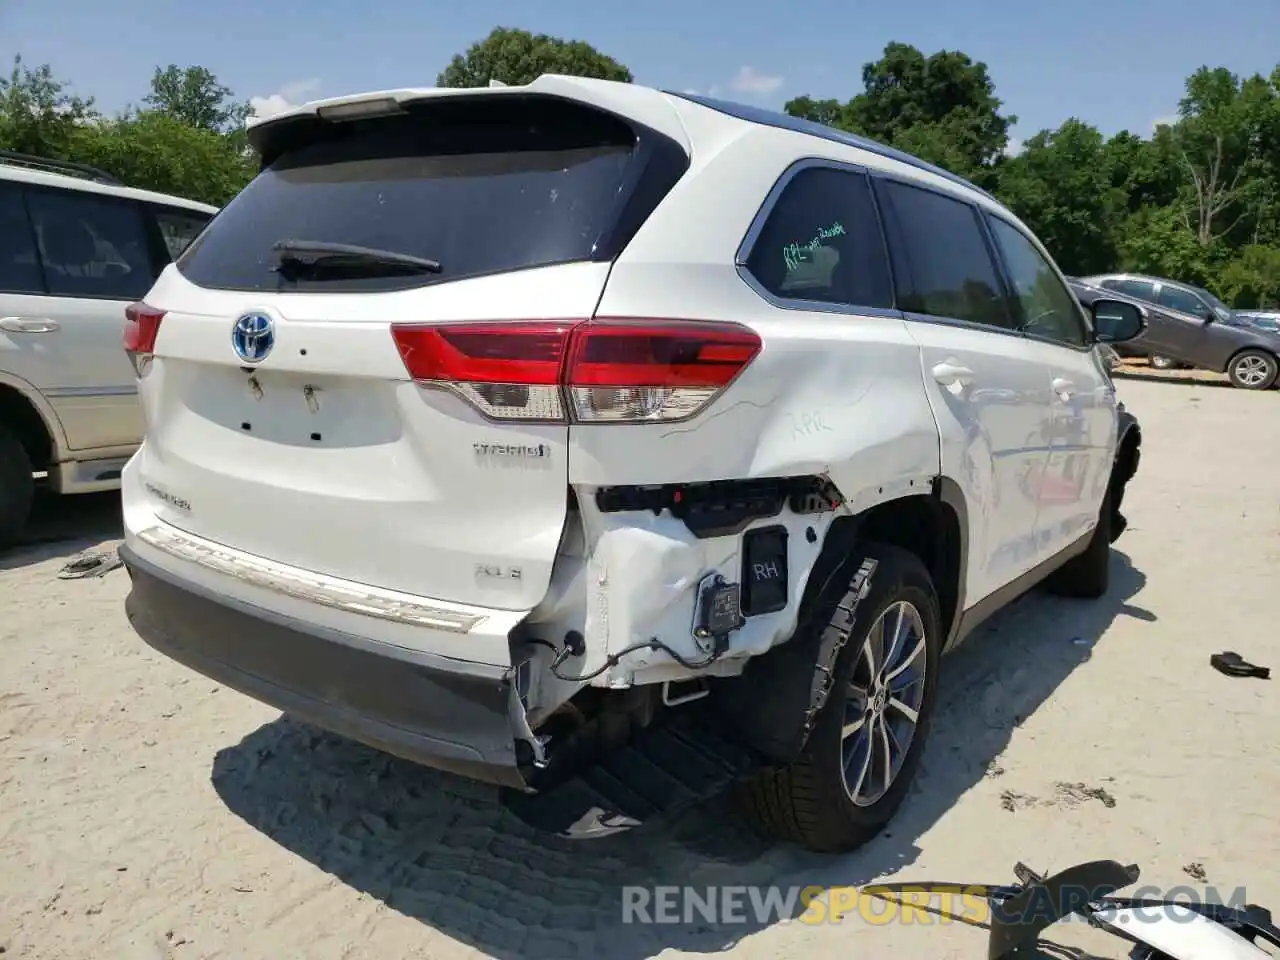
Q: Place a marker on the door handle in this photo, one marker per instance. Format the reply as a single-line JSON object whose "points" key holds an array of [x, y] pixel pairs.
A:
{"points": [[1065, 389], [949, 374], [28, 324]]}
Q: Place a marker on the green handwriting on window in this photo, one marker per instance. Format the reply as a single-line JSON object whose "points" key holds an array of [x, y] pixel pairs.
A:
{"points": [[794, 254]]}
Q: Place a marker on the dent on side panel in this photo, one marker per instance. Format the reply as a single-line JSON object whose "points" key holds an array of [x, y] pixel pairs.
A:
{"points": [[838, 396]]}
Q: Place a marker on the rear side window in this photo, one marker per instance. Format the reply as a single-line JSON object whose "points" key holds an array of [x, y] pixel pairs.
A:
{"points": [[941, 262], [479, 185], [19, 262], [1134, 288], [822, 242], [91, 246], [179, 227]]}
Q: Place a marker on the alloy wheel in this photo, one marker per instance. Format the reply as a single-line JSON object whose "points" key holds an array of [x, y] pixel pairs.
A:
{"points": [[1253, 370], [883, 703]]}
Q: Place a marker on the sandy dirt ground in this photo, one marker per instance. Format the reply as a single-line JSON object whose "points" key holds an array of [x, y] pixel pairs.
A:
{"points": [[145, 812]]}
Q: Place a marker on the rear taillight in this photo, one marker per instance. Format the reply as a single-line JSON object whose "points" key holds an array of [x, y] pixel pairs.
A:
{"points": [[509, 371], [628, 371], [598, 371], [141, 326]]}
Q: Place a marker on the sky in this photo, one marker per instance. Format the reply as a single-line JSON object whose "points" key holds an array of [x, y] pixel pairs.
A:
{"points": [[1119, 64]]}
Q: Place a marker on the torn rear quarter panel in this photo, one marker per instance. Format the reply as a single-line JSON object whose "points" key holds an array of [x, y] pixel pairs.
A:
{"points": [[834, 396]]}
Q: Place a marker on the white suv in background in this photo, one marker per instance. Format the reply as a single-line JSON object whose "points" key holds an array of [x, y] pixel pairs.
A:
{"points": [[612, 446], [76, 247]]}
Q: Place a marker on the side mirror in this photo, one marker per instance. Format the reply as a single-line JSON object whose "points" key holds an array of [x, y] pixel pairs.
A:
{"points": [[1116, 322]]}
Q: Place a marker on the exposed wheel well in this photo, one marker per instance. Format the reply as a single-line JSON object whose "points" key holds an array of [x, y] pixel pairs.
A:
{"points": [[20, 416], [926, 526], [929, 528]]}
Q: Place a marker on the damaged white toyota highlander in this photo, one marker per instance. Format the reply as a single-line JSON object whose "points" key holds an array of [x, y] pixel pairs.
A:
{"points": [[613, 446]]}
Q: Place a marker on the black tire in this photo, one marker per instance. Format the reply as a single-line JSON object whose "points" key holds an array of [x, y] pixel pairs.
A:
{"points": [[806, 802], [1162, 363], [1253, 370], [17, 488], [1088, 575]]}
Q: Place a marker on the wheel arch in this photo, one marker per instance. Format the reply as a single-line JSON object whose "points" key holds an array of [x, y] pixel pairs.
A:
{"points": [[1128, 442], [1266, 348], [30, 416], [769, 701], [933, 526]]}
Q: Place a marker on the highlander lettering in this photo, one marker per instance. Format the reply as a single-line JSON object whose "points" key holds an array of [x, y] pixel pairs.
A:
{"points": [[537, 451], [176, 502]]}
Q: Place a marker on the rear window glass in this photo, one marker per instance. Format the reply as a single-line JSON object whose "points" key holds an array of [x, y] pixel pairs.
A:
{"points": [[478, 187]]}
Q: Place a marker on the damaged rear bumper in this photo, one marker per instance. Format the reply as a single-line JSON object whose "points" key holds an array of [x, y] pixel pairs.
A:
{"points": [[415, 705]]}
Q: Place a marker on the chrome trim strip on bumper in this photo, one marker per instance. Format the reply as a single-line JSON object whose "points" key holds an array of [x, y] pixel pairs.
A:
{"points": [[61, 393], [305, 585]]}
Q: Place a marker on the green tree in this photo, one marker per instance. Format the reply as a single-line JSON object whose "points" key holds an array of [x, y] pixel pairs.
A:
{"points": [[518, 57], [1144, 171], [37, 113], [1252, 277], [1217, 140], [830, 113], [155, 150], [194, 96], [940, 107], [1061, 185], [1156, 240]]}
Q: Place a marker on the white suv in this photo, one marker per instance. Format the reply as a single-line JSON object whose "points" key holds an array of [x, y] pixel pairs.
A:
{"points": [[76, 247], [612, 446]]}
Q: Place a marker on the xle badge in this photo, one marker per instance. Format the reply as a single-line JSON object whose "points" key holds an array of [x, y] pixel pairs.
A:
{"points": [[485, 571]]}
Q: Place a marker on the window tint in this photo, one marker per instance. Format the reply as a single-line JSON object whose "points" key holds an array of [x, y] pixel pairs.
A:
{"points": [[19, 265], [1045, 305], [822, 242], [1183, 300], [480, 186], [179, 228], [941, 262], [1134, 288], [91, 246]]}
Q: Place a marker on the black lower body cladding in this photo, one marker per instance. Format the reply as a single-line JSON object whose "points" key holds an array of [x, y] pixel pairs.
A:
{"points": [[409, 705]]}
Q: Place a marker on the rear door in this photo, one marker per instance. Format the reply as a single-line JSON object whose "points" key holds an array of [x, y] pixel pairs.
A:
{"points": [[391, 425], [1162, 328], [990, 397], [97, 254], [1081, 427]]}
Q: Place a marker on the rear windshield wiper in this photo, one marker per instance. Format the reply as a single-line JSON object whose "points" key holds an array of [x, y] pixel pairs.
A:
{"points": [[316, 256]]}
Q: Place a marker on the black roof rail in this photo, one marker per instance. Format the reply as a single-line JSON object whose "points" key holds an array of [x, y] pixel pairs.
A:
{"points": [[58, 166], [783, 121]]}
